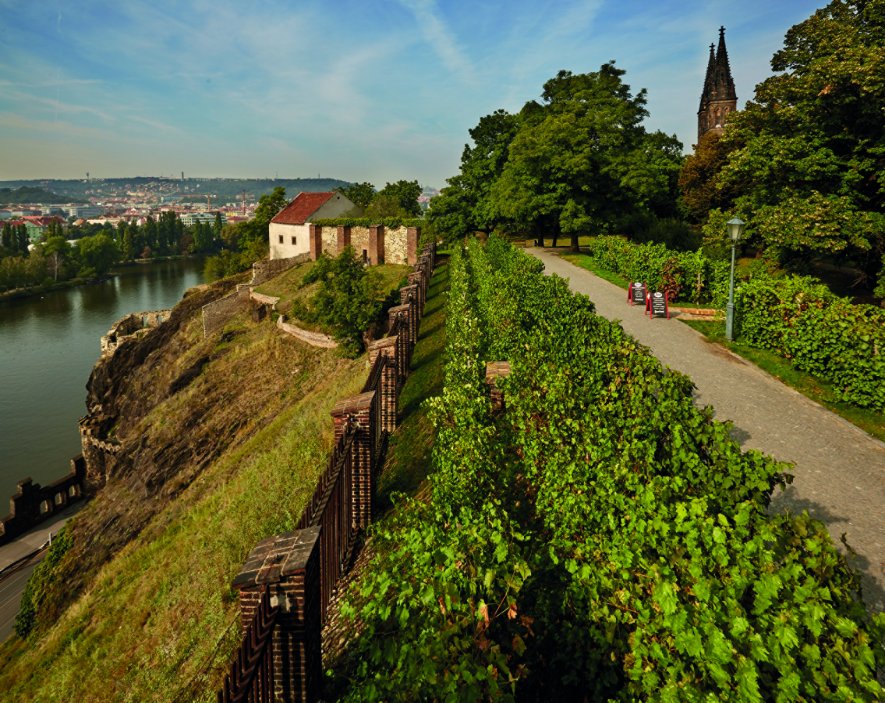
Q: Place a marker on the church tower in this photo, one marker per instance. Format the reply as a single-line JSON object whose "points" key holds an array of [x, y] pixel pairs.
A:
{"points": [[718, 98]]}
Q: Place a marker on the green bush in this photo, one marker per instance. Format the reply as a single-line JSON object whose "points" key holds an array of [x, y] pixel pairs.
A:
{"points": [[348, 301], [32, 596], [601, 538], [821, 333]]}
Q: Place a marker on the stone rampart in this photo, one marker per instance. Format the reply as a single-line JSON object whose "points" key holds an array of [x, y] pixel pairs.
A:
{"points": [[389, 245], [262, 299], [132, 325], [32, 503], [266, 269]]}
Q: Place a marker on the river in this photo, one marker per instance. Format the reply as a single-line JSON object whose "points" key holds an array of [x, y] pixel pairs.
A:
{"points": [[48, 346]]}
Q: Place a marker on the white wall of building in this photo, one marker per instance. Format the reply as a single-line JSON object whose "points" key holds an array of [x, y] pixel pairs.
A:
{"points": [[288, 240]]}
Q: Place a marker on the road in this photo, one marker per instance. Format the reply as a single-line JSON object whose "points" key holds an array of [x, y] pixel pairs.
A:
{"points": [[11, 587]]}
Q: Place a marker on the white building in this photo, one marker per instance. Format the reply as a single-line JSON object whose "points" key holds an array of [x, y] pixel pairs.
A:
{"points": [[290, 228]]}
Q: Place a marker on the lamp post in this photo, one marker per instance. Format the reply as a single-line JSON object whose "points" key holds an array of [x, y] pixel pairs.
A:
{"points": [[735, 227]]}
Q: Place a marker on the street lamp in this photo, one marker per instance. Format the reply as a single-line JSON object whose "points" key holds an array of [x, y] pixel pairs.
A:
{"points": [[735, 227]]}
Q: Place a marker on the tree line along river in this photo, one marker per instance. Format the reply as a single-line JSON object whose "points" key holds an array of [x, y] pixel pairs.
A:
{"points": [[48, 346]]}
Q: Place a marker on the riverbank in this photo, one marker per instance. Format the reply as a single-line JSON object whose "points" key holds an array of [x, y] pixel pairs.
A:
{"points": [[48, 347]]}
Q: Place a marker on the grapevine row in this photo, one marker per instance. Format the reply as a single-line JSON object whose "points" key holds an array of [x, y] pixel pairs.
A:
{"points": [[601, 538]]}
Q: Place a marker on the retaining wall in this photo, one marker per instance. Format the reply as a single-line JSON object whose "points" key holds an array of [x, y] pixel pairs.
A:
{"points": [[33, 503]]}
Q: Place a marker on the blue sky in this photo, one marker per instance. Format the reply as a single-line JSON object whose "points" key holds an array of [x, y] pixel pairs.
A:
{"points": [[373, 90]]}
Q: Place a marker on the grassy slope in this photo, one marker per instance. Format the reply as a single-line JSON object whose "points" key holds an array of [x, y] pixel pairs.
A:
{"points": [[159, 621], [407, 464], [408, 454]]}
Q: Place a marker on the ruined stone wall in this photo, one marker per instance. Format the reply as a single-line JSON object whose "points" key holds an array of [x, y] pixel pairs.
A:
{"points": [[217, 313], [315, 339], [266, 269], [133, 324], [33, 503]]}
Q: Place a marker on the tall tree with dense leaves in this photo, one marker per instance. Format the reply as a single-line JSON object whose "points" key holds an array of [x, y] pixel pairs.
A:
{"points": [[699, 190], [582, 160], [465, 204], [360, 194], [398, 199], [808, 153]]}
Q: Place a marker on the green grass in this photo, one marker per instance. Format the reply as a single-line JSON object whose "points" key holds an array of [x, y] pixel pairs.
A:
{"points": [[585, 262], [814, 388], [159, 621], [408, 454]]}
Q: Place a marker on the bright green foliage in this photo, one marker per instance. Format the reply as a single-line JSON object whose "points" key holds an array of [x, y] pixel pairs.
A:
{"points": [[583, 159], [398, 199], [821, 333], [41, 579], [579, 161], [687, 275], [97, 254], [808, 153], [465, 205], [360, 194], [599, 539], [348, 299], [392, 222]]}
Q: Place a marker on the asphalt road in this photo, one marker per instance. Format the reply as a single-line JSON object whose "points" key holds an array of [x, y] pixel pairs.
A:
{"points": [[839, 474], [11, 587]]}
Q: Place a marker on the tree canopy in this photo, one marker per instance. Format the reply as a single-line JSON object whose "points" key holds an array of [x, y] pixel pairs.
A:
{"points": [[398, 199], [360, 194], [805, 158], [577, 162]]}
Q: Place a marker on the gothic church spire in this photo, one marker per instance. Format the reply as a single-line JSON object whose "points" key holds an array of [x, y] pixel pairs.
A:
{"points": [[719, 97]]}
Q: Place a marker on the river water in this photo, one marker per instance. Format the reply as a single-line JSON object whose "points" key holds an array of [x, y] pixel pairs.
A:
{"points": [[48, 346]]}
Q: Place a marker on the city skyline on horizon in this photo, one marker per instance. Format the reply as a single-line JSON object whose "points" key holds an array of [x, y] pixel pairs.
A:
{"points": [[151, 90]]}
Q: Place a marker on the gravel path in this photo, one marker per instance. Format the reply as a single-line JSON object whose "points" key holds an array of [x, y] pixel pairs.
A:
{"points": [[839, 469]]}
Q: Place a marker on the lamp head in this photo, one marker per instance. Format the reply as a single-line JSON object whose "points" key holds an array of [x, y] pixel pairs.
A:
{"points": [[735, 227]]}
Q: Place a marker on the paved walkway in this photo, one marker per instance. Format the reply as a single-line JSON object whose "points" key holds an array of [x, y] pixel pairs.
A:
{"points": [[839, 469], [30, 542]]}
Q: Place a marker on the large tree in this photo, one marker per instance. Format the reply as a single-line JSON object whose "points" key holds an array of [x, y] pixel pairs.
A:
{"points": [[581, 160], [465, 204], [808, 153], [398, 199], [360, 194]]}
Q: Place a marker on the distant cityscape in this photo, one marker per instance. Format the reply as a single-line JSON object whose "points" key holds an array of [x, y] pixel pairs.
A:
{"points": [[36, 204]]}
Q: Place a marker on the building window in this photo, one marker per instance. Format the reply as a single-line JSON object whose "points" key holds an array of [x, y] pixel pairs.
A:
{"points": [[294, 240], [281, 239]]}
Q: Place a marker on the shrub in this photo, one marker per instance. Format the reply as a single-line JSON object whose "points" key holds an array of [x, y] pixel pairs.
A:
{"points": [[348, 299]]}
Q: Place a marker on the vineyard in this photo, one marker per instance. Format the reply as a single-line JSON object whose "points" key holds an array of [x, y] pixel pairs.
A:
{"points": [[598, 537]]}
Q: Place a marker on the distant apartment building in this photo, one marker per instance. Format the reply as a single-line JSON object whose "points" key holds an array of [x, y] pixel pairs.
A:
{"points": [[83, 211], [191, 218]]}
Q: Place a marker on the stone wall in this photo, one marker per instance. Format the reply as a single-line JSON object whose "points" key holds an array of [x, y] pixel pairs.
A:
{"points": [[265, 269], [218, 312], [33, 503], [133, 324], [303, 568], [315, 339], [398, 244]]}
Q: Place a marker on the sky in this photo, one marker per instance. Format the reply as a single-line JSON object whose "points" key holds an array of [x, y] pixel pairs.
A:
{"points": [[363, 90]]}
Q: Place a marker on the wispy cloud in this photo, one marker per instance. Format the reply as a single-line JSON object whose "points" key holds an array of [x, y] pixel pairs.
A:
{"points": [[440, 38]]}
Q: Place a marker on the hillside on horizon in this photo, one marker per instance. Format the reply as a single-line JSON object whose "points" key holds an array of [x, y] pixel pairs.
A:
{"points": [[222, 188]]}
